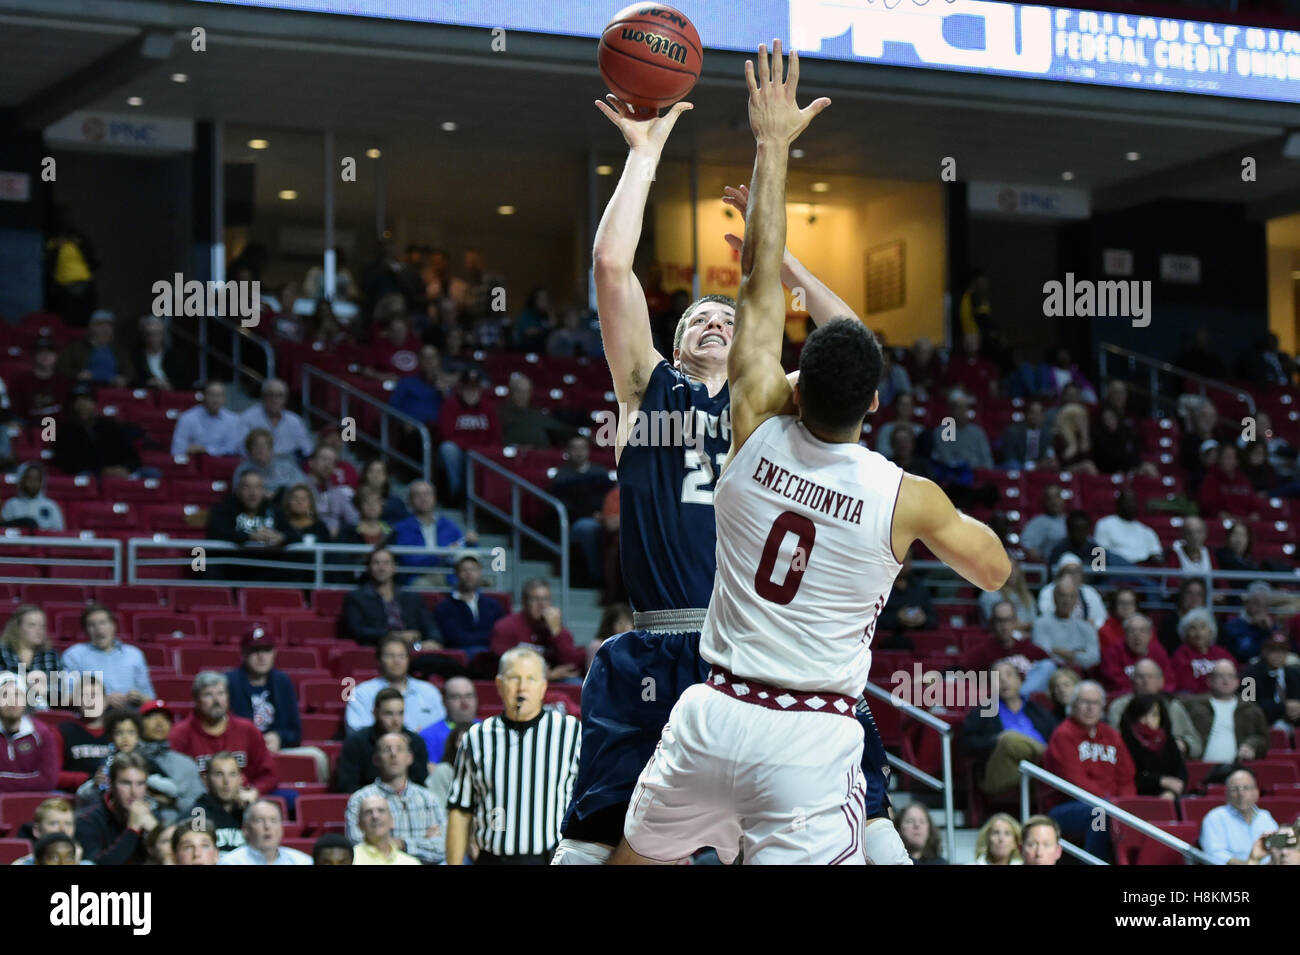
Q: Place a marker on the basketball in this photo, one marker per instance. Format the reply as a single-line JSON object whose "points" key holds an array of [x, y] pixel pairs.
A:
{"points": [[650, 56]]}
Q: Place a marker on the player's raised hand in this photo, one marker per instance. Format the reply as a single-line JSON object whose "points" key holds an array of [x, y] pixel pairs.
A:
{"points": [[774, 116], [637, 132]]}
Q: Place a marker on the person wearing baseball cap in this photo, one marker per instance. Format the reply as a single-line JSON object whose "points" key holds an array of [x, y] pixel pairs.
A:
{"points": [[468, 422], [1277, 682], [97, 357], [39, 390], [157, 719]]}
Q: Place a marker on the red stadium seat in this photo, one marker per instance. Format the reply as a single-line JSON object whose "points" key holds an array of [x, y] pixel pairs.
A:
{"points": [[322, 813], [113, 516], [113, 596], [228, 628], [219, 467], [347, 661], [18, 808], [1195, 808], [294, 768], [169, 624], [300, 631], [297, 658], [328, 603], [174, 688], [256, 601], [1197, 770], [1141, 850], [1284, 809], [1271, 773], [322, 696], [182, 598], [11, 850], [321, 726], [147, 491], [43, 594], [190, 660]]}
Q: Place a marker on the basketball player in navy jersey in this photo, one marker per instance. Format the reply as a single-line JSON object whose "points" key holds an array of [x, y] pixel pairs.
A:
{"points": [[763, 759], [667, 537]]}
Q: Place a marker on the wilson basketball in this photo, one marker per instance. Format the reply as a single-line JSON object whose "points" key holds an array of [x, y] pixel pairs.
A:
{"points": [[650, 56]]}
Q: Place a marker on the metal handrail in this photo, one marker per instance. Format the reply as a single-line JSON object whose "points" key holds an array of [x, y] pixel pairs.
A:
{"points": [[1028, 769], [347, 393], [945, 732], [514, 519], [90, 543], [1155, 366], [236, 556], [239, 333]]}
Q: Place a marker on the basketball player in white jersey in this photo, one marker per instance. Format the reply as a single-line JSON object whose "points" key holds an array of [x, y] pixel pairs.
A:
{"points": [[762, 760]]}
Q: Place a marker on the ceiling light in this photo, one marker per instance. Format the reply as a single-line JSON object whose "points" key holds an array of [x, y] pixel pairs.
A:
{"points": [[180, 78], [604, 170], [820, 187], [134, 101], [449, 127], [1132, 156], [796, 154], [373, 153], [288, 194], [1067, 175], [505, 210], [258, 144]]}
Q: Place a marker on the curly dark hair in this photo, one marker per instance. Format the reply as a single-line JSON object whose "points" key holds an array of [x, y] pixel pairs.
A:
{"points": [[839, 371]]}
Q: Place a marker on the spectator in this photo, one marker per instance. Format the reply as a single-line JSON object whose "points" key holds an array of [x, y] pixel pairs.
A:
{"points": [[224, 801], [423, 701], [971, 373], [97, 358], [426, 528], [1008, 641], [374, 475], [1091, 755], [1267, 363], [125, 672], [156, 727], [378, 608], [376, 843], [575, 337], [1124, 604], [524, 425], [261, 693], [1226, 492], [420, 395], [345, 474], [1238, 550], [1088, 605], [212, 729], [1233, 730], [1123, 534], [331, 849], [920, 837], [195, 844], [1116, 448], [113, 831], [29, 758], [1199, 654], [1149, 680], [907, 457], [393, 352], [539, 625], [1282, 454], [54, 817], [156, 365], [25, 649], [581, 486], [277, 471], [467, 422], [1147, 732], [1230, 833], [247, 518], [1078, 541], [357, 759], [1191, 595], [1015, 592], [1258, 471], [616, 618], [966, 446], [208, 427], [1041, 843], [1278, 855], [924, 368], [1189, 552], [1245, 633], [124, 729], [54, 849], [1072, 439], [93, 444], [1060, 689], [301, 522], [1044, 531], [534, 322], [84, 745], [467, 615], [289, 434], [904, 408], [1018, 729], [30, 503], [998, 841], [515, 816], [461, 697], [908, 608], [1029, 442], [333, 502], [41, 390], [1277, 684], [370, 528], [1118, 662], [419, 822], [893, 377], [263, 832]]}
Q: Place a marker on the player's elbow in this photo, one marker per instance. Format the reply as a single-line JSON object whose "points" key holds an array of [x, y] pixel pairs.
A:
{"points": [[607, 265]]}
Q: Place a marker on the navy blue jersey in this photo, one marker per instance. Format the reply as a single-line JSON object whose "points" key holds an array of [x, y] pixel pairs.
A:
{"points": [[675, 446]]}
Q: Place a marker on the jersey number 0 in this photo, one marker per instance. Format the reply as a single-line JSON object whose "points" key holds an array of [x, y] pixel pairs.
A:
{"points": [[788, 522]]}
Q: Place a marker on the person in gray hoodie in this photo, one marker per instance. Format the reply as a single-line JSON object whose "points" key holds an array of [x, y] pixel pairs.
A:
{"points": [[30, 503]]}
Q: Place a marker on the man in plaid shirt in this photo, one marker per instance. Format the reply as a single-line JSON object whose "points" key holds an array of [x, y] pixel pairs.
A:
{"points": [[419, 820]]}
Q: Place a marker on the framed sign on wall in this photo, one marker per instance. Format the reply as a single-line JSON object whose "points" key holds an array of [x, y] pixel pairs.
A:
{"points": [[886, 277]]}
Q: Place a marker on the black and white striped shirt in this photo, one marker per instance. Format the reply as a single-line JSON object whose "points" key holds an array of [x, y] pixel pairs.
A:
{"points": [[516, 778]]}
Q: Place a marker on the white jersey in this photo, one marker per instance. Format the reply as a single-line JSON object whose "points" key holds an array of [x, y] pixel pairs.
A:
{"points": [[805, 559]]}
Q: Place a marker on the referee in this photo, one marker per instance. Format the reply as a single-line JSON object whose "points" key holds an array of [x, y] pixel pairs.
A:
{"points": [[514, 773]]}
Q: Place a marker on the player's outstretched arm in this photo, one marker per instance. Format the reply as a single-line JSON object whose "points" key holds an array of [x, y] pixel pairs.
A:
{"points": [[819, 299], [620, 300], [759, 388], [966, 545]]}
